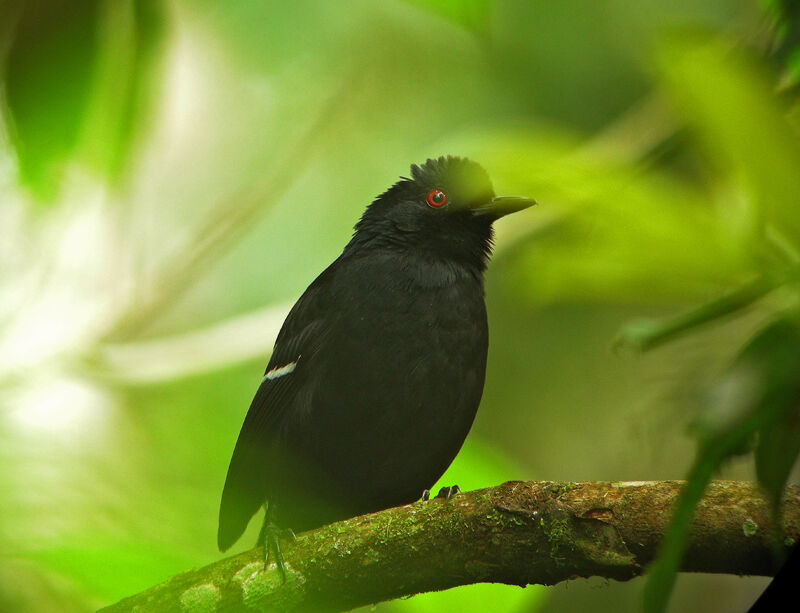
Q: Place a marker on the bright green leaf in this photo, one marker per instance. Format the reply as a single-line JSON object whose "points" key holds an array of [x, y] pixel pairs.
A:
{"points": [[608, 229], [726, 97], [470, 14]]}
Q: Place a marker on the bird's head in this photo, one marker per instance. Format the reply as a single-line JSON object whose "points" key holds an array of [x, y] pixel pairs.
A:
{"points": [[445, 209]]}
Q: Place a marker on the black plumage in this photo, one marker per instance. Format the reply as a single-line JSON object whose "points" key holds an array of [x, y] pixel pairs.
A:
{"points": [[379, 368]]}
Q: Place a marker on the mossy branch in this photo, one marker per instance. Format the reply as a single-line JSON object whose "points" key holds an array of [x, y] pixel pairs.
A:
{"points": [[520, 532]]}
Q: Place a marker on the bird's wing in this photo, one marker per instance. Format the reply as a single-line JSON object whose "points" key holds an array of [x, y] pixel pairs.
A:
{"points": [[247, 482]]}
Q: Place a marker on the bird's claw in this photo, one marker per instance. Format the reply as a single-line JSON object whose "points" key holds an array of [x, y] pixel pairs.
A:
{"points": [[270, 539], [446, 492]]}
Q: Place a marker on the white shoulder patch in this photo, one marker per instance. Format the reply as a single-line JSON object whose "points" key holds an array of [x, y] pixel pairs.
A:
{"points": [[280, 371]]}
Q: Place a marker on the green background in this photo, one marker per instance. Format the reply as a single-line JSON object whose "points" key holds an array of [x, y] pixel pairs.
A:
{"points": [[173, 174]]}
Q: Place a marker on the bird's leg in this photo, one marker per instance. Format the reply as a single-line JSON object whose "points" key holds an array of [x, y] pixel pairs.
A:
{"points": [[448, 492], [426, 494], [270, 539]]}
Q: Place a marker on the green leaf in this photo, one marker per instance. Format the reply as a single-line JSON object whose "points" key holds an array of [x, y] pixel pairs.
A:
{"points": [[662, 574], [726, 96], [470, 14], [643, 335], [779, 438], [711, 454], [78, 77], [124, 83], [47, 77], [777, 450], [759, 393], [607, 229]]}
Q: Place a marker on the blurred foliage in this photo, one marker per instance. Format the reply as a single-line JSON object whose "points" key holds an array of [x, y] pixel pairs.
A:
{"points": [[474, 15], [750, 137], [200, 162], [78, 78], [784, 18], [757, 399]]}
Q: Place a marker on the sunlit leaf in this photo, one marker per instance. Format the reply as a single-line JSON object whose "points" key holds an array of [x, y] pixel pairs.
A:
{"points": [[726, 97], [614, 230], [470, 14]]}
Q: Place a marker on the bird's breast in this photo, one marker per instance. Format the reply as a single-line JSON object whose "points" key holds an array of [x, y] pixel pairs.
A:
{"points": [[390, 396], [401, 349]]}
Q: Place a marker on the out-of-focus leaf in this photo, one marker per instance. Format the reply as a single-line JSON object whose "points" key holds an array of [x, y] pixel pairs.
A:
{"points": [[777, 451], [614, 230], [47, 79], [760, 393], [726, 98], [661, 575], [78, 77], [779, 438], [130, 39], [470, 14], [477, 465], [792, 76], [642, 335], [784, 16]]}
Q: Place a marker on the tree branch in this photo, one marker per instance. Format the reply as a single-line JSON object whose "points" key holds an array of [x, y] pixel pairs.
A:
{"points": [[517, 533]]}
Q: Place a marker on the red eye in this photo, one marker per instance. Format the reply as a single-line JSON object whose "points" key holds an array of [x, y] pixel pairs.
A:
{"points": [[437, 198]]}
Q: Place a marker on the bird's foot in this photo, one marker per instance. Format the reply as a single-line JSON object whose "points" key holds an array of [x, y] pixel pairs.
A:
{"points": [[270, 539], [446, 492]]}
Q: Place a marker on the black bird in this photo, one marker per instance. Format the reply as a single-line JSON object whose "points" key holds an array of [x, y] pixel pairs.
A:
{"points": [[378, 370]]}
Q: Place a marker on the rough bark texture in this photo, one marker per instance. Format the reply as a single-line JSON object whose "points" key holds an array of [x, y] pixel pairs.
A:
{"points": [[520, 532]]}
